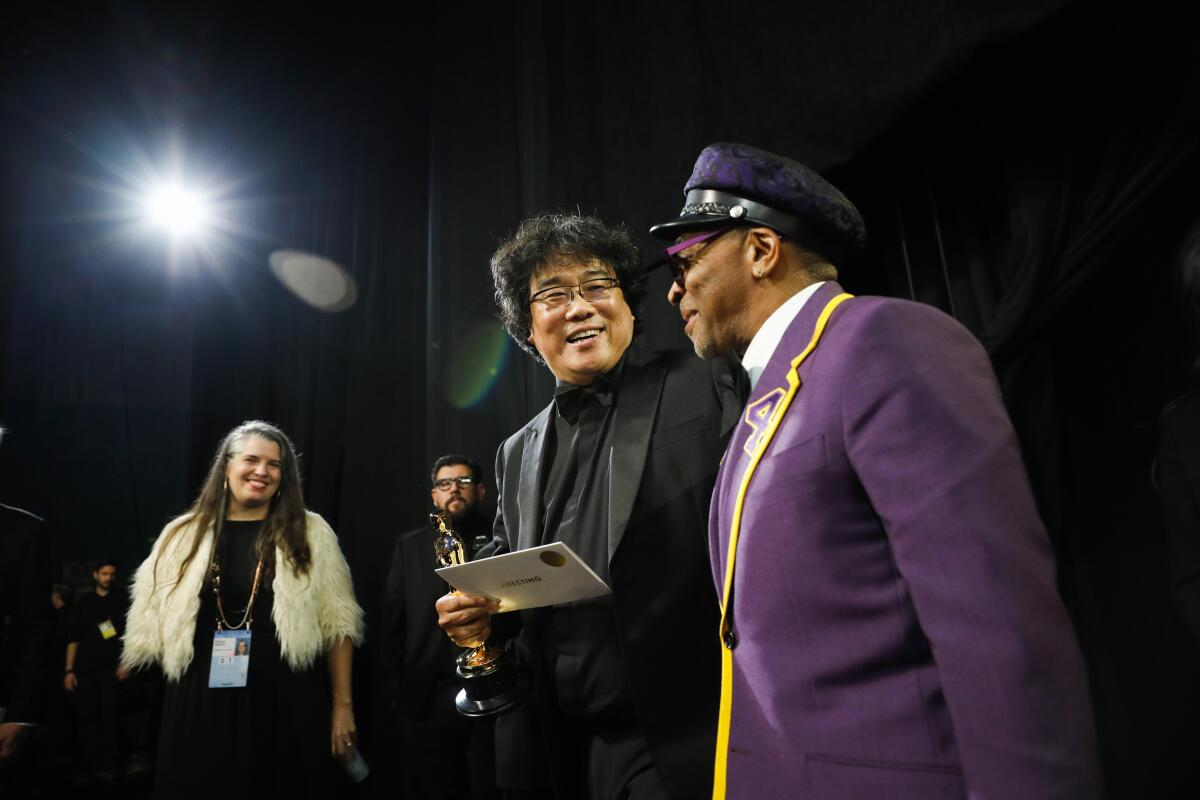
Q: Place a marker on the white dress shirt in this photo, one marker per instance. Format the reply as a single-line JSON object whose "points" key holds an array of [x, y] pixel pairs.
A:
{"points": [[763, 345]]}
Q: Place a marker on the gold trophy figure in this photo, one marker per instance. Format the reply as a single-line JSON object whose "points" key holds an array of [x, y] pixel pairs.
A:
{"points": [[491, 684]]}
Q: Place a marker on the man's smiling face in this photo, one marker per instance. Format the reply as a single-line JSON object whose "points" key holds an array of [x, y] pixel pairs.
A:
{"points": [[584, 338]]}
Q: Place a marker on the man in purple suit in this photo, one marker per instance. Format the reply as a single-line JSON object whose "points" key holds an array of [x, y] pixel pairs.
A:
{"points": [[890, 623]]}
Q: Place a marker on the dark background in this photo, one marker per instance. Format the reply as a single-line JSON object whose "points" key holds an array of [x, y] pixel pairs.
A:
{"points": [[1028, 167]]}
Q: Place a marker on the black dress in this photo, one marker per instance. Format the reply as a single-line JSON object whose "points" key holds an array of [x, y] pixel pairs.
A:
{"points": [[268, 739]]}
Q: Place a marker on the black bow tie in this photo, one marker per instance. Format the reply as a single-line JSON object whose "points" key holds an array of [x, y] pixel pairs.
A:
{"points": [[572, 399], [733, 389], [732, 379]]}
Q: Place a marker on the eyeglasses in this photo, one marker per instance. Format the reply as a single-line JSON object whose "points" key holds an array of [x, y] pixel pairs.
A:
{"points": [[679, 264], [465, 482], [592, 291]]}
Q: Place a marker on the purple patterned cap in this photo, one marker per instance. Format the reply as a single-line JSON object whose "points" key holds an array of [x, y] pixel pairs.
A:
{"points": [[739, 183]]}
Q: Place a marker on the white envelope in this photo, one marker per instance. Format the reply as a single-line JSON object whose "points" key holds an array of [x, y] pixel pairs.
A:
{"points": [[540, 576]]}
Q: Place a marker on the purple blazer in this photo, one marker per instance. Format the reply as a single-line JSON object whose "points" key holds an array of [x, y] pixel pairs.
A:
{"points": [[898, 631]]}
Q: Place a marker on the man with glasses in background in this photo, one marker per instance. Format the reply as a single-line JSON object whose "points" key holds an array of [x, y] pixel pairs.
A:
{"points": [[619, 466], [417, 662]]}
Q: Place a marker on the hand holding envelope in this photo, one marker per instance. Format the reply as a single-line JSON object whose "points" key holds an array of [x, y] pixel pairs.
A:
{"points": [[491, 682], [540, 576]]}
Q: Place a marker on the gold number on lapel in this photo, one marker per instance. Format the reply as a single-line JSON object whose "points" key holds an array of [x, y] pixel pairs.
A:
{"points": [[758, 417]]}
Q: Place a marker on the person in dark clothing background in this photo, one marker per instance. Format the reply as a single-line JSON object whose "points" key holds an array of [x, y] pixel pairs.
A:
{"points": [[61, 716], [417, 661], [93, 670], [62, 597], [26, 637]]}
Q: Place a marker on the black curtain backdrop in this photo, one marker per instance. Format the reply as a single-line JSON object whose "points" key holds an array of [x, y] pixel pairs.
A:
{"points": [[1028, 167], [126, 360]]}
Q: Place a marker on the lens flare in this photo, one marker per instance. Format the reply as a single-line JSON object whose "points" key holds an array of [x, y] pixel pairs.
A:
{"points": [[479, 355]]}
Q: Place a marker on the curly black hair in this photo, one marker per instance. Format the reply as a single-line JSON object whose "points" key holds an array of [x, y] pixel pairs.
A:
{"points": [[572, 237]]}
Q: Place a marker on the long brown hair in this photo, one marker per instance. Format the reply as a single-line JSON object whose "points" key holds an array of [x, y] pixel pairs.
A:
{"points": [[285, 526]]}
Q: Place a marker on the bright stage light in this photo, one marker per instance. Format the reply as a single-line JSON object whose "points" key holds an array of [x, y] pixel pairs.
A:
{"points": [[179, 211]]}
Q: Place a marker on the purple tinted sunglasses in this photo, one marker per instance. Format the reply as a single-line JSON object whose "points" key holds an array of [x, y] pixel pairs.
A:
{"points": [[678, 265]]}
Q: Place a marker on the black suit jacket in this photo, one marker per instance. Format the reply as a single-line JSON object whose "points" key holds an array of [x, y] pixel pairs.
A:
{"points": [[673, 414], [415, 651], [25, 580], [1178, 474], [418, 681]]}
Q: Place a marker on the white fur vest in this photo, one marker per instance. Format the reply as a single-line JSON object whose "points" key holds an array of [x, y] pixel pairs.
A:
{"points": [[311, 612]]}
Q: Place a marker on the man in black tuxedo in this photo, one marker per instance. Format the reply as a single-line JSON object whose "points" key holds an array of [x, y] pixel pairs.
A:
{"points": [[417, 669], [620, 466], [26, 639]]}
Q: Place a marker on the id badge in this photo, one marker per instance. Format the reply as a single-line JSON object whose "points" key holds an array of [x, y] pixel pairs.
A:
{"points": [[107, 629], [230, 660]]}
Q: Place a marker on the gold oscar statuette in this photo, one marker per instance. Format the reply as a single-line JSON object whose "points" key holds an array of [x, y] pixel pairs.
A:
{"points": [[491, 683]]}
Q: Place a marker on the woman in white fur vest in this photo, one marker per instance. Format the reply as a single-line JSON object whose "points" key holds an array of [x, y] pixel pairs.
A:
{"points": [[246, 603]]}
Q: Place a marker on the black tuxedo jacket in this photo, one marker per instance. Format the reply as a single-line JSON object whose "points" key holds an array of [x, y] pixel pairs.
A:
{"points": [[1178, 473], [673, 414], [25, 580]]}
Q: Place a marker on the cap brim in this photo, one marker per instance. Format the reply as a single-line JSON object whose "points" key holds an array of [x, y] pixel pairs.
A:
{"points": [[691, 222]]}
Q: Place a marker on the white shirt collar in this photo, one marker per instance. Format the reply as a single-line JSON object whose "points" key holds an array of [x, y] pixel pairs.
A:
{"points": [[763, 345]]}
